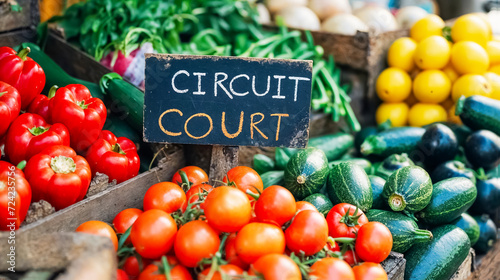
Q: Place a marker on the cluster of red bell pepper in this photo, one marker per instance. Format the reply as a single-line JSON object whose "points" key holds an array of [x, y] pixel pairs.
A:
{"points": [[59, 139]]}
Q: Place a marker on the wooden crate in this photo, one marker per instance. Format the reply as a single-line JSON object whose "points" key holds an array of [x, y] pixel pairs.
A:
{"points": [[467, 268], [18, 27], [488, 265], [395, 265]]}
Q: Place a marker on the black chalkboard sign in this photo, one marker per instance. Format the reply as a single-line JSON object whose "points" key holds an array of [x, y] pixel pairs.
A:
{"points": [[227, 101]]}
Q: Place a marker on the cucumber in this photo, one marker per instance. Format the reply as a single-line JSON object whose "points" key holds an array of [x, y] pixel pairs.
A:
{"points": [[263, 163], [408, 189], [469, 225], [452, 169], [306, 172], [440, 258], [479, 112], [377, 184], [348, 183], [273, 178], [488, 196], [482, 149], [450, 198], [120, 128], [437, 145], [487, 233], [321, 202], [281, 158], [334, 145], [393, 141], [365, 164], [362, 135], [391, 164], [404, 230]]}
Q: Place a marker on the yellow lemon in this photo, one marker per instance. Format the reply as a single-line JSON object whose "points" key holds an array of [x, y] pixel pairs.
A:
{"points": [[495, 69], [423, 114], [428, 26], [432, 53], [448, 103], [451, 72], [431, 86], [469, 85], [493, 50], [469, 58], [471, 28], [452, 117], [494, 80], [401, 53], [393, 85], [396, 112]]}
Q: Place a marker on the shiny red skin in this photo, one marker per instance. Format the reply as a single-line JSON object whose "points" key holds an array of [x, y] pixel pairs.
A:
{"points": [[177, 272], [21, 144], [331, 269], [40, 106], [10, 106], [308, 232], [132, 268], [276, 205], [227, 269], [59, 189], [119, 164], [231, 254], [351, 257], [23, 74], [194, 174], [337, 228], [22, 197], [192, 195], [84, 124], [195, 241], [373, 242], [121, 275]]}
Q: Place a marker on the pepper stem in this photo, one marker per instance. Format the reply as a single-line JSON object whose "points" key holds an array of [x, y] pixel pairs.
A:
{"points": [[397, 202], [82, 104], [21, 165], [2, 93], [24, 53], [118, 149], [38, 130], [52, 91], [62, 165]]}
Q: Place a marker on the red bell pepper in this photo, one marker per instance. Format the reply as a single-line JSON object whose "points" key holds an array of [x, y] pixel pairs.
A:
{"points": [[59, 176], [83, 115], [10, 106], [29, 134], [15, 196], [40, 105], [115, 157], [23, 73]]}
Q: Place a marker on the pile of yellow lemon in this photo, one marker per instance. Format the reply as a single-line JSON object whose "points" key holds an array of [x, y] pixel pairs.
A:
{"points": [[427, 73]]}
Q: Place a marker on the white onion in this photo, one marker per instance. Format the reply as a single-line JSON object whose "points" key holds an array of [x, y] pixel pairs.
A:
{"points": [[277, 5], [378, 19], [345, 24], [328, 8], [300, 17], [264, 15], [407, 16]]}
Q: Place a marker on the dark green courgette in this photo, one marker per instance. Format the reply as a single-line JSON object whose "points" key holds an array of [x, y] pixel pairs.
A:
{"points": [[321, 202], [479, 112], [393, 141], [482, 149], [391, 164], [281, 158], [452, 169], [363, 163], [437, 145], [273, 178], [488, 196], [334, 145], [487, 234], [468, 224], [377, 184], [263, 163], [348, 183]]}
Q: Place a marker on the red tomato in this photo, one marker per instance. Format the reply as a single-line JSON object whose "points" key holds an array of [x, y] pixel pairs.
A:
{"points": [[344, 221], [276, 267], [231, 255], [14, 188], [331, 269], [195, 240], [121, 275], [153, 233], [374, 242], [132, 267], [351, 257], [165, 196], [226, 269], [227, 209], [195, 175], [304, 205], [332, 246], [369, 271], [245, 178], [258, 239], [99, 228], [125, 219], [276, 205], [193, 193], [153, 272], [308, 232]]}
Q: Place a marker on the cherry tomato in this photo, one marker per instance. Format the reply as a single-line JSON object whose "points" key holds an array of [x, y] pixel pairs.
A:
{"points": [[156, 272], [374, 242], [132, 267], [331, 269], [195, 175], [276, 267], [276, 205], [304, 205], [308, 232], [245, 178], [99, 228], [231, 255], [369, 271], [193, 193], [227, 209], [194, 241], [125, 219], [226, 269], [121, 275], [343, 220], [351, 257], [165, 196], [258, 239], [153, 233]]}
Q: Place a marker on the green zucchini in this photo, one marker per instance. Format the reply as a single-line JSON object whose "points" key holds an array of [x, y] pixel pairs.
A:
{"points": [[408, 189], [348, 182], [393, 141], [281, 158], [120, 128], [452, 169], [334, 145], [377, 184], [306, 172], [273, 178], [440, 258], [404, 230], [487, 233], [479, 112], [450, 198], [391, 164], [363, 134], [263, 163], [365, 164], [321, 202], [469, 225]]}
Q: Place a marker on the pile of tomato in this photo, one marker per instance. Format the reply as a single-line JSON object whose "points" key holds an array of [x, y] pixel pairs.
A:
{"points": [[188, 228]]}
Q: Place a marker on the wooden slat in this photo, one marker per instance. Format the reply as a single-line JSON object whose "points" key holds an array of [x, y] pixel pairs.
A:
{"points": [[29, 17], [466, 269], [14, 38], [395, 265], [488, 266]]}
